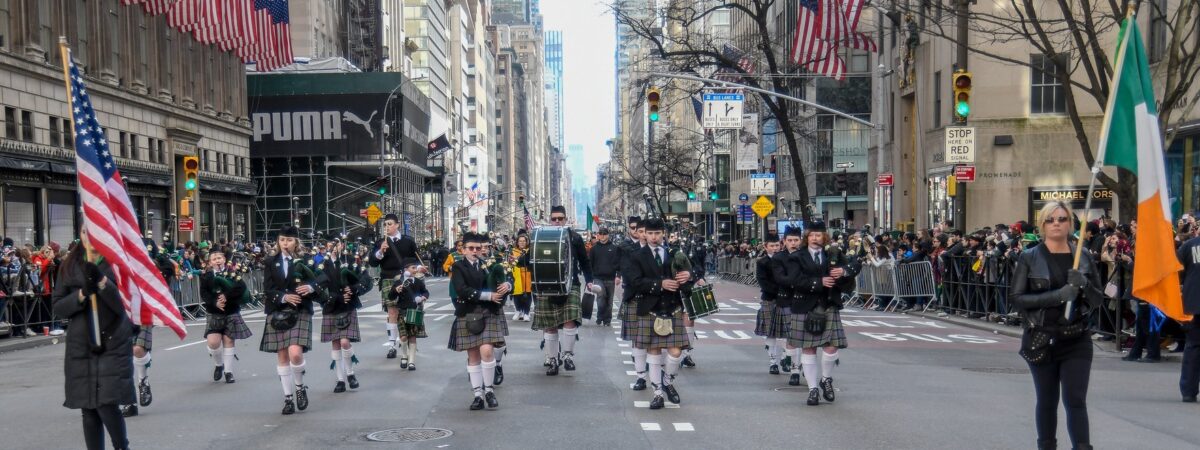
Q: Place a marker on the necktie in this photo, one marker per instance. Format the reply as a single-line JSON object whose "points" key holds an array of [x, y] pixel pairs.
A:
{"points": [[658, 255]]}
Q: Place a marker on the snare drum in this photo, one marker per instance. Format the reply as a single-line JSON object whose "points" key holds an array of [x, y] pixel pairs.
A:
{"points": [[701, 303], [414, 316], [550, 261]]}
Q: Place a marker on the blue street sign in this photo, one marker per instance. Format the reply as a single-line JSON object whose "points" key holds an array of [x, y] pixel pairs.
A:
{"points": [[743, 197]]}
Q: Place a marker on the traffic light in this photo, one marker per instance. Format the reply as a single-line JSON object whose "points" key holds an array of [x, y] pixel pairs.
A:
{"points": [[652, 98], [712, 192], [839, 182], [691, 195], [191, 170], [185, 208], [962, 95], [381, 183]]}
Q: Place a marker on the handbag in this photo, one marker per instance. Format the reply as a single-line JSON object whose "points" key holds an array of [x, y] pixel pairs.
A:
{"points": [[814, 321], [663, 326], [342, 321], [284, 319], [476, 323], [1110, 290], [218, 323], [1035, 349]]}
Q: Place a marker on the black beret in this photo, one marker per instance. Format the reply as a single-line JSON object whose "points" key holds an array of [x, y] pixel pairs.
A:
{"points": [[816, 225], [289, 231], [793, 231], [410, 262], [653, 225], [634, 219]]}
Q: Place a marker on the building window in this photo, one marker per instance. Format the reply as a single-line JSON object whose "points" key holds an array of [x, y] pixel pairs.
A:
{"points": [[82, 34], [1046, 91], [499, 163], [61, 209], [937, 99], [499, 179], [10, 122], [122, 139], [55, 137], [27, 126], [20, 215], [1158, 32]]}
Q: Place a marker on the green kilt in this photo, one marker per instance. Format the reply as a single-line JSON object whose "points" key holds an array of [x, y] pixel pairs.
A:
{"points": [[144, 338], [300, 334], [771, 321], [547, 315], [493, 333], [834, 335], [410, 331], [629, 319], [385, 286], [646, 339]]}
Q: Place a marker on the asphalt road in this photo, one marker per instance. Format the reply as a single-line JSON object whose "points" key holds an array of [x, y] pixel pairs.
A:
{"points": [[904, 383]]}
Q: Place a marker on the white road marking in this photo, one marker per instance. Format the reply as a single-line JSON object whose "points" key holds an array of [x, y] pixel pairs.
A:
{"points": [[651, 426], [446, 307], [684, 426], [626, 353], [628, 362], [623, 345], [632, 373], [644, 404], [186, 345]]}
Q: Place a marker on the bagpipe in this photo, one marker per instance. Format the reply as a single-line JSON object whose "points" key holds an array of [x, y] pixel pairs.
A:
{"points": [[301, 272], [227, 280]]}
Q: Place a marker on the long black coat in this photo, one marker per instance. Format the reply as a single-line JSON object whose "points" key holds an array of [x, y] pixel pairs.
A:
{"points": [[95, 379]]}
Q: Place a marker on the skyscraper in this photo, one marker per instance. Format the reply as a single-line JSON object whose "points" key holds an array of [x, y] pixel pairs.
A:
{"points": [[554, 88]]}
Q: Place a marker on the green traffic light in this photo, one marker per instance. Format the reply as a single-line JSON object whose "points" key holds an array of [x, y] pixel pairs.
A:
{"points": [[654, 117], [382, 191], [712, 195], [190, 184], [962, 108], [691, 195]]}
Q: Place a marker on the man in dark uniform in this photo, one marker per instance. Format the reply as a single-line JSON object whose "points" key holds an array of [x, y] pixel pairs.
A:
{"points": [[816, 322], [784, 266], [551, 314], [659, 311], [606, 261], [1189, 378], [628, 311], [770, 323], [389, 256]]}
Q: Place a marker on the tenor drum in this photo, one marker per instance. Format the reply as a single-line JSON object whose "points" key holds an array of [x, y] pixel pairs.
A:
{"points": [[701, 303], [550, 261], [414, 316]]}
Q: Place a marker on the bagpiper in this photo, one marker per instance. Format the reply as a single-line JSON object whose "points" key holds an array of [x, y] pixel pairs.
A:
{"points": [[409, 294], [223, 292], [551, 313], [143, 342], [346, 279], [479, 325], [499, 272], [772, 320], [628, 309], [290, 287], [389, 256], [657, 283]]}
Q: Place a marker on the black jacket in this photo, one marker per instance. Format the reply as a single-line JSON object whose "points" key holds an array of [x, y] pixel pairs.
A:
{"points": [[1189, 255], [1031, 293], [766, 281], [582, 262], [331, 279], [782, 265], [469, 284], [803, 275], [628, 249], [392, 263], [276, 284], [645, 277], [606, 260], [406, 298], [209, 290], [698, 256], [95, 379]]}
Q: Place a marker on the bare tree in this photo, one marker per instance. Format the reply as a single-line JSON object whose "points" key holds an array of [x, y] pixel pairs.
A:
{"points": [[1068, 34], [670, 164]]}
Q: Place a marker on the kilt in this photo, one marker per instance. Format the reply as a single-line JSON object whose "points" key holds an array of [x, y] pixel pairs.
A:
{"points": [[645, 338], [411, 331], [144, 338], [629, 320], [300, 334], [771, 322], [330, 331], [235, 327], [385, 285], [834, 335], [547, 315], [493, 333]]}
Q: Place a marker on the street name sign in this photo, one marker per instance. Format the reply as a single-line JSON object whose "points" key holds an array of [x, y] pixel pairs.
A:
{"points": [[723, 111], [960, 145]]}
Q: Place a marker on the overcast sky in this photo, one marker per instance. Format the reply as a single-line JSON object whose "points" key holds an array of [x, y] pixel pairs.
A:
{"points": [[588, 42]]}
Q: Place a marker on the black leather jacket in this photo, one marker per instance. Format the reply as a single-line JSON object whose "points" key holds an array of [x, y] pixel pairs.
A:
{"points": [[1030, 292]]}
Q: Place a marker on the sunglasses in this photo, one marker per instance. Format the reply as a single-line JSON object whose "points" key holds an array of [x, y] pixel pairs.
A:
{"points": [[557, 219], [1059, 219]]}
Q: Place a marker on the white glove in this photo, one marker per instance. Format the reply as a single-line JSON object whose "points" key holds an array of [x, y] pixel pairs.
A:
{"points": [[420, 300]]}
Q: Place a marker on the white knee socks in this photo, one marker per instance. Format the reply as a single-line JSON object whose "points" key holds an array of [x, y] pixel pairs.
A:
{"points": [[228, 354], [489, 375], [827, 362], [476, 374], [410, 350], [393, 334], [773, 351], [639, 362], [139, 367], [691, 332], [812, 372], [338, 364], [656, 366], [285, 378], [795, 354], [551, 344], [568, 342], [499, 356], [298, 374], [216, 355], [348, 360], [671, 368]]}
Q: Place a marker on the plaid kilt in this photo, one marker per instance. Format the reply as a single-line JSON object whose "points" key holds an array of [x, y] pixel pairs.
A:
{"points": [[771, 322], [629, 319], [645, 338], [300, 334], [493, 333], [834, 335], [235, 327], [547, 315], [330, 331], [144, 338], [385, 285], [413, 331]]}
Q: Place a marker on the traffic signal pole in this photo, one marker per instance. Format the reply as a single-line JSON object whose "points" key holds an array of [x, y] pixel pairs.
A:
{"points": [[962, 8]]}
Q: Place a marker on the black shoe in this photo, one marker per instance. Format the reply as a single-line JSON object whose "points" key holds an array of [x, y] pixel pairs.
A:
{"points": [[639, 384], [340, 387], [131, 410], [353, 380], [786, 364], [499, 378], [569, 363], [217, 371], [827, 389], [477, 404], [302, 397], [391, 353], [403, 363], [553, 370], [412, 366], [774, 370], [229, 378], [490, 397], [144, 393], [1189, 399], [687, 362], [794, 380], [289, 407], [814, 397], [672, 394], [657, 403]]}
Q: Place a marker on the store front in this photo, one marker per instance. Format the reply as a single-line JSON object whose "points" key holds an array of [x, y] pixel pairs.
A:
{"points": [[1073, 196], [941, 203]]}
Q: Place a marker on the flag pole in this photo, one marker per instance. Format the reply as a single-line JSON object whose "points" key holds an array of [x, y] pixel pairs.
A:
{"points": [[1103, 144], [65, 52]]}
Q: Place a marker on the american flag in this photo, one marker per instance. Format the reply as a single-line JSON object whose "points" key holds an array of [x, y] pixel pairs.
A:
{"points": [[109, 219], [528, 217], [740, 58], [820, 25], [258, 31]]}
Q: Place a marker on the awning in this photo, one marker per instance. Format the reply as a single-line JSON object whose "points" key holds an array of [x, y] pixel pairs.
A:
{"points": [[226, 187], [24, 164]]}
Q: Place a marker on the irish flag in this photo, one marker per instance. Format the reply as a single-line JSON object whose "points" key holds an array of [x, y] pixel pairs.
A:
{"points": [[1130, 138]]}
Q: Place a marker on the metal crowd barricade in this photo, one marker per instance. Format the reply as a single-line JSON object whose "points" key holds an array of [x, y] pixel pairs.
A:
{"points": [[883, 284], [187, 297], [864, 286], [913, 280]]}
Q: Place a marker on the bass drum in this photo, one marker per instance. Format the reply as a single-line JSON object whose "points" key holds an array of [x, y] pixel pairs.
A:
{"points": [[550, 261]]}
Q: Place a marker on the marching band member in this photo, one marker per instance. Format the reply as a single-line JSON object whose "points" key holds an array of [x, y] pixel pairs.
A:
{"points": [[660, 319], [143, 342], [628, 311], [222, 291], [772, 323], [409, 293], [291, 287], [341, 277], [478, 320], [815, 320], [563, 312], [522, 297], [784, 265], [498, 274], [389, 255]]}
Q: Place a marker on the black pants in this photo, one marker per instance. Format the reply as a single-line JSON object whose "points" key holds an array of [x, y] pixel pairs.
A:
{"points": [[95, 421], [523, 302], [1067, 372], [1146, 340], [1189, 377]]}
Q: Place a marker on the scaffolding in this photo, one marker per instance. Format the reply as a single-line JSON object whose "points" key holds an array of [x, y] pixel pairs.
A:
{"points": [[354, 185], [289, 192]]}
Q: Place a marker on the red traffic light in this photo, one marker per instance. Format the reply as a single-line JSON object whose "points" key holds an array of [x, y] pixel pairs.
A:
{"points": [[962, 81], [652, 96], [191, 163]]}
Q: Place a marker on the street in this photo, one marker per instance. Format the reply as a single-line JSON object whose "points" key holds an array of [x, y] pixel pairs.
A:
{"points": [[905, 382]]}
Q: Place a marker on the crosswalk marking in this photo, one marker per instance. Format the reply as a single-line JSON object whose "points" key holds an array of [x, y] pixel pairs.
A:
{"points": [[626, 353], [684, 426], [632, 373], [628, 362], [651, 426], [646, 404], [623, 345]]}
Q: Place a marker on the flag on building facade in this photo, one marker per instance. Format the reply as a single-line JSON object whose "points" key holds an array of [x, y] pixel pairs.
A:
{"points": [[528, 217], [257, 31], [822, 28], [1130, 139], [108, 216]]}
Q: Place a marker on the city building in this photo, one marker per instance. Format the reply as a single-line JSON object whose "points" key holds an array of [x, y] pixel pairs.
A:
{"points": [[351, 29], [554, 88], [473, 98]]}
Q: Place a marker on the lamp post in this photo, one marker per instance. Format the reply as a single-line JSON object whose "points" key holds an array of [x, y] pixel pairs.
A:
{"points": [[845, 166]]}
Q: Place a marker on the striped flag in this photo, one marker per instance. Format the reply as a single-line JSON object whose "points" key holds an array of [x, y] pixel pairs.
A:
{"points": [[109, 219], [820, 25], [528, 217], [1130, 138], [279, 36]]}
